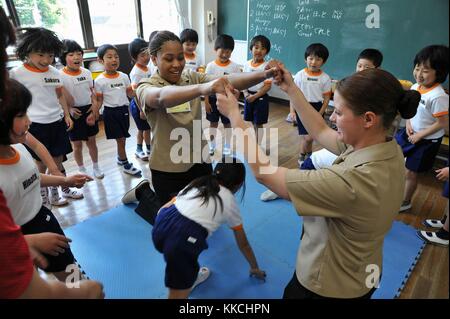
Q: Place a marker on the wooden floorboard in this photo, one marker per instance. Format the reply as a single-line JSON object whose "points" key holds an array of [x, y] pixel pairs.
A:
{"points": [[429, 278]]}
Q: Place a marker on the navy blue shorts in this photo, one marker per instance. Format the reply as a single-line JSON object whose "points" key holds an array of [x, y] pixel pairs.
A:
{"points": [[301, 129], [181, 241], [307, 164], [141, 124], [215, 115], [54, 137], [117, 122], [258, 111], [445, 191], [43, 222], [81, 131], [420, 156]]}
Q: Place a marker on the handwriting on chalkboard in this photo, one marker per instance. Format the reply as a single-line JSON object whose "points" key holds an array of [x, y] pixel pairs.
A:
{"points": [[281, 22]]}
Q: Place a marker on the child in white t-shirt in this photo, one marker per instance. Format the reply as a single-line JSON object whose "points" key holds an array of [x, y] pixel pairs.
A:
{"points": [[113, 89], [140, 56], [84, 109], [224, 47], [183, 225], [189, 40]]}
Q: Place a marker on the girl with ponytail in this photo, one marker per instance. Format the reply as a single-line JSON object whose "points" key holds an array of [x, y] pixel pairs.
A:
{"points": [[183, 225]]}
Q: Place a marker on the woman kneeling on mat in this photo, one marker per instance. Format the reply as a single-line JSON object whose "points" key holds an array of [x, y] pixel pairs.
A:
{"points": [[183, 224], [348, 208]]}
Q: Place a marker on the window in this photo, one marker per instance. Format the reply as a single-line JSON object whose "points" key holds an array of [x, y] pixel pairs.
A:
{"points": [[159, 15], [60, 16], [112, 21], [9, 50]]}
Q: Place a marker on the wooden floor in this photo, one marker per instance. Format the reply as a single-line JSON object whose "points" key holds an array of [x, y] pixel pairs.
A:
{"points": [[428, 280]]}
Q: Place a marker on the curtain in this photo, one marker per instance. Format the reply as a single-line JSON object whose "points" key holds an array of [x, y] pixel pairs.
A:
{"points": [[182, 7]]}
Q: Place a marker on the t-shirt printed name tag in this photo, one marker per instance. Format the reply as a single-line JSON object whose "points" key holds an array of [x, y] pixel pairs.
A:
{"points": [[182, 108], [48, 81], [80, 80], [117, 85], [312, 79], [27, 183]]}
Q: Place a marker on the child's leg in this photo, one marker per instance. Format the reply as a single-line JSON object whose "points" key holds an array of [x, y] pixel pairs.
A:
{"points": [[411, 185], [213, 132], [121, 153], [147, 140], [308, 144], [93, 152], [259, 132], [140, 139], [227, 128], [78, 153]]}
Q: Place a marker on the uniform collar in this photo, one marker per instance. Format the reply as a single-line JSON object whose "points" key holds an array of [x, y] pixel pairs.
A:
{"points": [[373, 153]]}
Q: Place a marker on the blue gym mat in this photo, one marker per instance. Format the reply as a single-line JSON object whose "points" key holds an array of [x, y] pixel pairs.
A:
{"points": [[115, 248]]}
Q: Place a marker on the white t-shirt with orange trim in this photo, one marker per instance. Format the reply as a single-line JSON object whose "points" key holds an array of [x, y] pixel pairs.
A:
{"points": [[434, 103], [20, 184], [203, 214], [79, 85], [139, 72], [113, 89], [153, 68], [313, 85], [258, 67], [43, 85], [220, 69], [192, 62]]}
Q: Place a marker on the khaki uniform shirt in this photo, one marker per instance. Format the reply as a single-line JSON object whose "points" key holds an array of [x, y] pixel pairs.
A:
{"points": [[348, 208], [180, 152]]}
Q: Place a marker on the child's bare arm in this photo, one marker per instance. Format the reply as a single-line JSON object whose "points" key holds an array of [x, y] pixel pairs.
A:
{"points": [[326, 101], [247, 251], [77, 180], [65, 106], [441, 123], [42, 152]]}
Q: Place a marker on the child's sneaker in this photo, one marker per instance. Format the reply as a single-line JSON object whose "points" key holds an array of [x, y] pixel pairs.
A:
{"points": [[141, 155], [289, 118], [405, 206], [71, 193], [82, 170], [55, 199], [435, 223], [268, 195], [226, 150], [439, 238], [203, 274], [212, 149], [45, 199], [98, 173], [131, 170]]}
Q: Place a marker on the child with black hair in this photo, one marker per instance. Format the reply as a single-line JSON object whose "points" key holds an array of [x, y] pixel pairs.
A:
{"points": [[20, 181], [369, 59], [183, 225], [49, 111], [153, 68], [223, 47], [256, 108], [113, 89], [84, 110], [422, 137], [316, 86], [138, 50], [189, 40]]}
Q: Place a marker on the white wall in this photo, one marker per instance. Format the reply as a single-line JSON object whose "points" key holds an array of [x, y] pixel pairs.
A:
{"points": [[205, 49]]}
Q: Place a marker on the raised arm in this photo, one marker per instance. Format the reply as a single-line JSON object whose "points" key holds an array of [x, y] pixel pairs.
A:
{"points": [[272, 177]]}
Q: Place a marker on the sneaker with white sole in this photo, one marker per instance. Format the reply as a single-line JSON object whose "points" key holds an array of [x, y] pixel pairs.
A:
{"points": [[406, 205], [55, 199], [226, 150], [72, 193], [203, 274], [434, 223], [98, 173], [45, 198], [268, 195], [130, 196], [433, 238], [141, 155], [131, 170]]}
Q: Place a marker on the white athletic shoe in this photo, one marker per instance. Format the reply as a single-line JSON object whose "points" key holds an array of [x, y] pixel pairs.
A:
{"points": [[72, 193], [203, 274], [268, 195], [55, 199], [98, 173]]}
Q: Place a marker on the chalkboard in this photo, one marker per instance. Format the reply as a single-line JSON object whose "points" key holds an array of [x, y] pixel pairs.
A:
{"points": [[232, 18], [346, 27]]}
